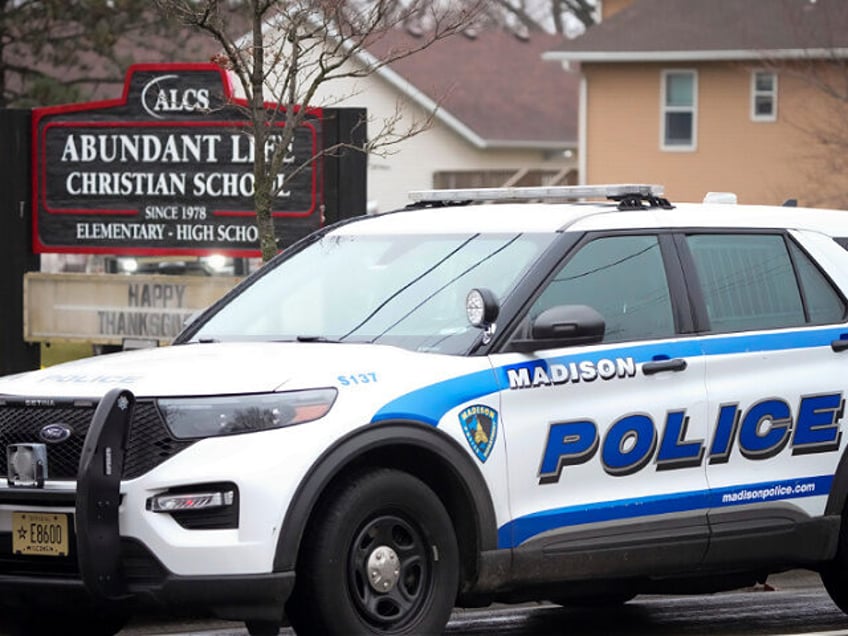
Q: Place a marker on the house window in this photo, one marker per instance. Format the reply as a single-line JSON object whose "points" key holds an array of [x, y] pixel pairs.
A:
{"points": [[679, 110], [763, 96]]}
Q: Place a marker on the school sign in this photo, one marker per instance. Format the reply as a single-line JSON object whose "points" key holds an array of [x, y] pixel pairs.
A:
{"points": [[168, 169]]}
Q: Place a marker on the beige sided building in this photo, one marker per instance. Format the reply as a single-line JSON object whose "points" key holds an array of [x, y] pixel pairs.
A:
{"points": [[725, 95]]}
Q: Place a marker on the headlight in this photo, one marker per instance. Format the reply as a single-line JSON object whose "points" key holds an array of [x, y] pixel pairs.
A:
{"points": [[189, 418]]}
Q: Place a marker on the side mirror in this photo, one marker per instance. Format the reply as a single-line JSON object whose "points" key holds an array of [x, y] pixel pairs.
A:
{"points": [[562, 326]]}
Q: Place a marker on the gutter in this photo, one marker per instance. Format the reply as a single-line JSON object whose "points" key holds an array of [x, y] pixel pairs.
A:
{"points": [[697, 56]]}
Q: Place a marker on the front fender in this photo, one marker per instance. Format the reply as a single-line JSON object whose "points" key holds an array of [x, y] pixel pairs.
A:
{"points": [[352, 449]]}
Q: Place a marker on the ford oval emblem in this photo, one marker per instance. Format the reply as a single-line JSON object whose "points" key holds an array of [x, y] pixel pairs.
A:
{"points": [[55, 433]]}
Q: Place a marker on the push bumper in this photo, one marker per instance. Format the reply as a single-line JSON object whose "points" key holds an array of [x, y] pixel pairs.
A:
{"points": [[242, 598], [105, 568]]}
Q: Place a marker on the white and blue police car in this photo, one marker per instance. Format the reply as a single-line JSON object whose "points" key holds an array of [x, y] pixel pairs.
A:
{"points": [[570, 394]]}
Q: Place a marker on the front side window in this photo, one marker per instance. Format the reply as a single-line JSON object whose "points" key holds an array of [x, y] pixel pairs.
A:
{"points": [[623, 279], [752, 282], [679, 110], [763, 96], [406, 290]]}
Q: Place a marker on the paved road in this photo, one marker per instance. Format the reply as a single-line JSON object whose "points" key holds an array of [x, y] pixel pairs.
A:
{"points": [[797, 605]]}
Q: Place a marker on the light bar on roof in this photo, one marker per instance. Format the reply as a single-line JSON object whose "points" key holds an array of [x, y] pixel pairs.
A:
{"points": [[609, 191]]}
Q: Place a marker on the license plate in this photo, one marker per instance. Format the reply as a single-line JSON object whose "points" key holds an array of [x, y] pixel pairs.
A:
{"points": [[41, 533]]}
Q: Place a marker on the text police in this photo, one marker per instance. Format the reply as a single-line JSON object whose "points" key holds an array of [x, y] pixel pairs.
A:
{"points": [[762, 431]]}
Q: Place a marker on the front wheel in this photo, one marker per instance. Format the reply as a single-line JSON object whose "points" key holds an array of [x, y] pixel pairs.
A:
{"points": [[381, 558]]}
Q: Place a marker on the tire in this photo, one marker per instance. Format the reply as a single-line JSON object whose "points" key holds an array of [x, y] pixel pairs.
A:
{"points": [[388, 525], [834, 575], [836, 583], [262, 628]]}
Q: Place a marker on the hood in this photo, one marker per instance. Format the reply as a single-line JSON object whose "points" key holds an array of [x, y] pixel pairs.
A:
{"points": [[195, 369]]}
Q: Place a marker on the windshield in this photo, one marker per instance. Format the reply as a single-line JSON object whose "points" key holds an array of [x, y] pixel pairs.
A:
{"points": [[404, 290]]}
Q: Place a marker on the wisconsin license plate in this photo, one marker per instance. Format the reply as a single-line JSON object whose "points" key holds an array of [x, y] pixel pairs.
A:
{"points": [[41, 533]]}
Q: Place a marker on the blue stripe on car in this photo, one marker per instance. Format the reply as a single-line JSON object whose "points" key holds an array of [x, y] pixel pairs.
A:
{"points": [[518, 530], [429, 404]]}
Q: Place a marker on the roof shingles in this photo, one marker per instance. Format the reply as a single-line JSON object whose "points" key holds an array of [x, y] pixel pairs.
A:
{"points": [[497, 85]]}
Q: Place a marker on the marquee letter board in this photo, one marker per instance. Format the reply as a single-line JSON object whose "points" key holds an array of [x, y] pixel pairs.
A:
{"points": [[165, 169]]}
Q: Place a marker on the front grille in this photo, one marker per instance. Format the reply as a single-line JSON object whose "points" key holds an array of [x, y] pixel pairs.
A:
{"points": [[148, 445], [149, 442], [138, 564]]}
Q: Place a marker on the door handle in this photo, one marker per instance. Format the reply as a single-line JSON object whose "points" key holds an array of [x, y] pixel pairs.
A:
{"points": [[839, 345], [658, 366]]}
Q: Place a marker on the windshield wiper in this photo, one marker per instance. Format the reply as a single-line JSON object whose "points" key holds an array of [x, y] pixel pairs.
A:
{"points": [[314, 339]]}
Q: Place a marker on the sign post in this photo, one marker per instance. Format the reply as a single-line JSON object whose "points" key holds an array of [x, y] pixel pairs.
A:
{"points": [[15, 240]]}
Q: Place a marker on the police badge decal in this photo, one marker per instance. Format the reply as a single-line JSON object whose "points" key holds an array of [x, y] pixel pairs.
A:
{"points": [[480, 425]]}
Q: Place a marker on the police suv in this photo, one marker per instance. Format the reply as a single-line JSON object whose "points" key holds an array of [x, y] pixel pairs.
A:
{"points": [[570, 394]]}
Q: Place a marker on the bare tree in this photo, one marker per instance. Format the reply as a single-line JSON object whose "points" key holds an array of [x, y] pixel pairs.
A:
{"points": [[813, 76], [292, 48], [554, 16], [58, 51], [816, 107], [583, 10]]}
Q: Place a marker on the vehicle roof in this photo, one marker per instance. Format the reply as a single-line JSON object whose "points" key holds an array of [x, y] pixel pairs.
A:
{"points": [[554, 217]]}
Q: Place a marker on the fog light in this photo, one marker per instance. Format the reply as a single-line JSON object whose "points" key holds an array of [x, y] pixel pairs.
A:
{"points": [[27, 465], [190, 501]]}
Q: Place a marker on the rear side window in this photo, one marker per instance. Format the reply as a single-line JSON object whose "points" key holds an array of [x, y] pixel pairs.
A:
{"points": [[824, 303], [753, 281]]}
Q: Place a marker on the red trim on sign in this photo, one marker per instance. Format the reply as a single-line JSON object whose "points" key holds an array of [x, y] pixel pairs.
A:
{"points": [[38, 161]]}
